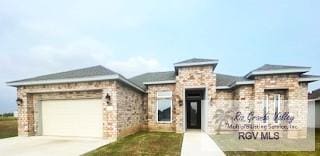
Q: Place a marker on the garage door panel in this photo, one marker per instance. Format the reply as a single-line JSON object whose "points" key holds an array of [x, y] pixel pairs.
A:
{"points": [[72, 118]]}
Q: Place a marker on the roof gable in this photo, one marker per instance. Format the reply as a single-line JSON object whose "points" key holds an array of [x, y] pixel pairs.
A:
{"points": [[277, 69]]}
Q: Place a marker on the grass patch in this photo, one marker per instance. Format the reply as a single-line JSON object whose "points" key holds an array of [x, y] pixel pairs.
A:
{"points": [[143, 143], [8, 128], [7, 118]]}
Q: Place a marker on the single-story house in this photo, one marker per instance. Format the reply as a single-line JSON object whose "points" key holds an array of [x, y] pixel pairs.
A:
{"points": [[315, 96], [99, 102]]}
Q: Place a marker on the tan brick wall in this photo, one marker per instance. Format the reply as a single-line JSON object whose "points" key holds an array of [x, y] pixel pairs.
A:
{"points": [[225, 94], [28, 121], [152, 123], [245, 92], [297, 94], [201, 76], [224, 100], [130, 110], [244, 98], [251, 97]]}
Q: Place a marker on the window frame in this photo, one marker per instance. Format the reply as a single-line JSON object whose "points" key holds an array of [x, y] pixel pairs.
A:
{"points": [[157, 108], [277, 104], [266, 108]]}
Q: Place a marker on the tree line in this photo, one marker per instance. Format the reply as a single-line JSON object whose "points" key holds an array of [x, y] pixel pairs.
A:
{"points": [[6, 114]]}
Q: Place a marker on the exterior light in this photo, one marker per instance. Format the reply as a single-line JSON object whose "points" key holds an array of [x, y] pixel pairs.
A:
{"points": [[108, 99], [19, 101], [180, 102]]}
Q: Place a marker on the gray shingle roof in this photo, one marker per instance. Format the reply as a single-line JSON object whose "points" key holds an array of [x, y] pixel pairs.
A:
{"points": [[95, 73], [153, 77], [78, 73], [277, 69], [196, 60], [221, 79], [226, 80], [268, 67]]}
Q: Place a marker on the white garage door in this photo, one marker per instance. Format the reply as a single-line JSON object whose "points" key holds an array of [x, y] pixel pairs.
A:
{"points": [[72, 118]]}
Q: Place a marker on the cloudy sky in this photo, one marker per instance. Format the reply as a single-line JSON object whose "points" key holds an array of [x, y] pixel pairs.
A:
{"points": [[133, 37]]}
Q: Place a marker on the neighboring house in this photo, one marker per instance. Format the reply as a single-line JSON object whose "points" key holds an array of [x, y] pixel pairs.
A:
{"points": [[315, 96], [98, 102]]}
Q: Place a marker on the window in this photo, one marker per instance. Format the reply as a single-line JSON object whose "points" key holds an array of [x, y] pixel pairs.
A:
{"points": [[277, 102], [265, 108], [164, 106]]}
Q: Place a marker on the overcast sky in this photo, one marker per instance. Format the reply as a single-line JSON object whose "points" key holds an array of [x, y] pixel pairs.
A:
{"points": [[133, 37]]}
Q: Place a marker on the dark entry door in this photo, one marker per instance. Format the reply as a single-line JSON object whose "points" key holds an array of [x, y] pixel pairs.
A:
{"points": [[194, 114]]}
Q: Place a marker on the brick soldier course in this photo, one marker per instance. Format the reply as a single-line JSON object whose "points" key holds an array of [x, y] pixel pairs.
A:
{"points": [[133, 102]]}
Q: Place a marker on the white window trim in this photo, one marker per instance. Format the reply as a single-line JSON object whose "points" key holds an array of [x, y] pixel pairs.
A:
{"points": [[164, 97], [277, 96], [266, 104]]}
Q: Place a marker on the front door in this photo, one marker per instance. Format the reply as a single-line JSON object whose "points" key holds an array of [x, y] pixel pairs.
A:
{"points": [[194, 114]]}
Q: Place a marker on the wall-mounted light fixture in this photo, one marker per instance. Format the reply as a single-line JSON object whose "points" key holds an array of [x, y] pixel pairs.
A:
{"points": [[108, 99], [19, 101], [180, 103]]}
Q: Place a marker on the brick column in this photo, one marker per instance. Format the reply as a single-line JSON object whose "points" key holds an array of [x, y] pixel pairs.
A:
{"points": [[25, 111], [110, 115]]}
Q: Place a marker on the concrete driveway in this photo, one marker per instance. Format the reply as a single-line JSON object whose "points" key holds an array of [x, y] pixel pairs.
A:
{"points": [[48, 145]]}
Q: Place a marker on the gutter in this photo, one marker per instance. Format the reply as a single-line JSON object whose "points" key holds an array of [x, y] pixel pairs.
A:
{"points": [[241, 83], [234, 84], [223, 87], [283, 71], [309, 79], [160, 82], [316, 99]]}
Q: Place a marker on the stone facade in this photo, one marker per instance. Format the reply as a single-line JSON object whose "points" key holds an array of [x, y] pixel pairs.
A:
{"points": [[195, 77], [121, 118], [132, 110], [295, 98], [152, 123], [251, 97]]}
